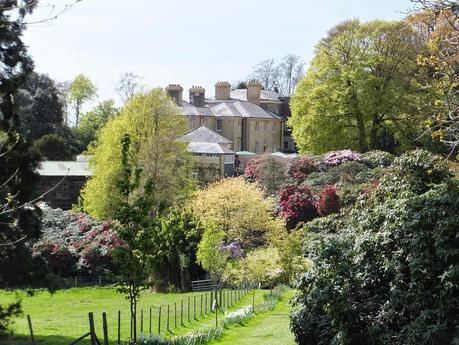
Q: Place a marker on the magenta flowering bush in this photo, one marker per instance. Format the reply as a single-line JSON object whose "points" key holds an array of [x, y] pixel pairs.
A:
{"points": [[334, 158], [328, 201], [74, 243], [300, 167], [250, 172], [297, 204]]}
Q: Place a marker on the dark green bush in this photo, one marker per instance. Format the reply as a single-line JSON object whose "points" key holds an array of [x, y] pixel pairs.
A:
{"points": [[386, 271]]}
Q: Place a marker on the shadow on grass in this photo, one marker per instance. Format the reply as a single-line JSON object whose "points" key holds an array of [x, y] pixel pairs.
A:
{"points": [[41, 340]]}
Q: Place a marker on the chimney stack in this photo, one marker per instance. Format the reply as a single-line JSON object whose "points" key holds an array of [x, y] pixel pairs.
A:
{"points": [[175, 92], [197, 96], [222, 90], [254, 91]]}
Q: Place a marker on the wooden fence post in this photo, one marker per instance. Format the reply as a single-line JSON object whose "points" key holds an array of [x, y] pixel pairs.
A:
{"points": [[194, 307], [188, 309], [91, 328], [159, 321], [211, 300], [119, 327], [141, 321], [168, 315], [181, 313], [76, 281], [200, 309], [175, 314], [205, 305], [32, 338], [104, 327], [150, 322]]}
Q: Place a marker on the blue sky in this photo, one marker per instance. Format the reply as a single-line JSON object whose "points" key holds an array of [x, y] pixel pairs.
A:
{"points": [[191, 42]]}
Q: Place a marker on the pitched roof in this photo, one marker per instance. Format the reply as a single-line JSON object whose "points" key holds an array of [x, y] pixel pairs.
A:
{"points": [[265, 95], [208, 148], [203, 134], [230, 108], [64, 168]]}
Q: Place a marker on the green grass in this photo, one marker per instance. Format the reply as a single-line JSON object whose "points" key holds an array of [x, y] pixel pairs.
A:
{"points": [[271, 328], [60, 318]]}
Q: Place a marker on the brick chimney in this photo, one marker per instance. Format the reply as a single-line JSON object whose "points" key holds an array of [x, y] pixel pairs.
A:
{"points": [[175, 92], [222, 90], [197, 96], [254, 91]]}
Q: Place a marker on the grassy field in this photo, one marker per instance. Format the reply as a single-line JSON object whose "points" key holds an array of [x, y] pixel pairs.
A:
{"points": [[271, 328], [60, 318]]}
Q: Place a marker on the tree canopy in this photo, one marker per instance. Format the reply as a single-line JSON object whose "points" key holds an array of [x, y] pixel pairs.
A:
{"points": [[361, 90], [239, 209], [151, 121], [81, 90], [94, 120]]}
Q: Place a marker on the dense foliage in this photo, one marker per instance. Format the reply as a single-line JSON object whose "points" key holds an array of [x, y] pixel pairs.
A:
{"points": [[240, 210], [362, 90], [151, 121], [76, 244], [386, 270]]}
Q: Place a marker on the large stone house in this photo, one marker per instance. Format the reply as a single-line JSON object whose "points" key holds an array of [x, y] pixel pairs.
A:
{"points": [[251, 119]]}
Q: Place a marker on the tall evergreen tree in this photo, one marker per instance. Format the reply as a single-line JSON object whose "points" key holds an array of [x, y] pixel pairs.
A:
{"points": [[19, 221]]}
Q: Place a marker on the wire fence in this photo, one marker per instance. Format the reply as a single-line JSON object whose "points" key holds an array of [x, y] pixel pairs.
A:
{"points": [[159, 319]]}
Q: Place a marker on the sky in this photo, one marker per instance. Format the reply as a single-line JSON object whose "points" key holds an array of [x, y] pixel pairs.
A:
{"points": [[190, 42]]}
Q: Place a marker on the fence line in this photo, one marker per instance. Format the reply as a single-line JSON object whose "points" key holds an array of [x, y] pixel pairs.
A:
{"points": [[163, 314]]}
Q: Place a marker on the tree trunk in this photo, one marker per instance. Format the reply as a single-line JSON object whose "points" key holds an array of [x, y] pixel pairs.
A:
{"points": [[374, 133], [362, 135]]}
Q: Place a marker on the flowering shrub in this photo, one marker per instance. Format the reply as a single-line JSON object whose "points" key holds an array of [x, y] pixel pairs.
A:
{"points": [[233, 248], [377, 158], [338, 157], [300, 168], [328, 201], [250, 172], [297, 204], [76, 243], [269, 171]]}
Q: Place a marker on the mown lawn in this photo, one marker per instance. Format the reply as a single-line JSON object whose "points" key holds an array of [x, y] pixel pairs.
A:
{"points": [[60, 318], [271, 328]]}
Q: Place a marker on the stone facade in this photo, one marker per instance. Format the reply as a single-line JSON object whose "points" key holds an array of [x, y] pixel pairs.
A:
{"points": [[251, 124]]}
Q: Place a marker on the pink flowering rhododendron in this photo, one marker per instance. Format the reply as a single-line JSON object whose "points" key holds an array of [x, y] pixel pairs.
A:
{"points": [[250, 172], [328, 201], [297, 204], [300, 168], [74, 243], [338, 157]]}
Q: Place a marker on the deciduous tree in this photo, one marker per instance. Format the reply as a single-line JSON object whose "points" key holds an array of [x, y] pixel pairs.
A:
{"points": [[239, 209], [361, 90], [153, 125], [81, 90]]}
